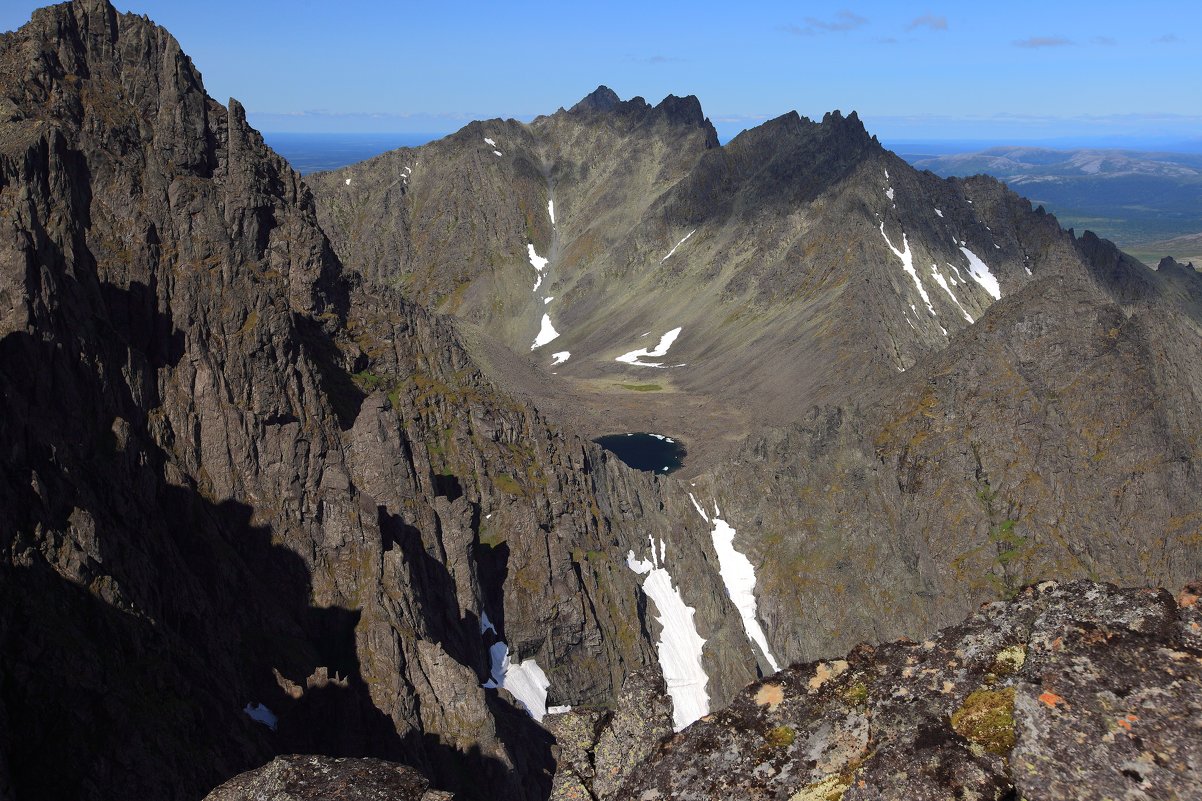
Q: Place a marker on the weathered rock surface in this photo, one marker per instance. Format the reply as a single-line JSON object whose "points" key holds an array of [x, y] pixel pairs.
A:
{"points": [[316, 778], [596, 750], [1069, 691]]}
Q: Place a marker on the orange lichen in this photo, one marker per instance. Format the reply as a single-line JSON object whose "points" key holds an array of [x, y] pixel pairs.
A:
{"points": [[1051, 700], [770, 695]]}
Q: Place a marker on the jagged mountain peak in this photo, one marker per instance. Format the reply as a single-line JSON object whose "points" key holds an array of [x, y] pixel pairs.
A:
{"points": [[675, 110], [600, 99]]}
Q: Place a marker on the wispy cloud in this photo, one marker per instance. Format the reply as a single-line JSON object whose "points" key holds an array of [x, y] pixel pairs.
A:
{"points": [[888, 40], [1168, 38], [928, 21], [843, 21], [1105, 41], [1035, 42]]}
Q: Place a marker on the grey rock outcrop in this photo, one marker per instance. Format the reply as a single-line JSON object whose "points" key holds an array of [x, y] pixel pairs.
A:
{"points": [[1069, 691], [596, 750], [315, 778]]}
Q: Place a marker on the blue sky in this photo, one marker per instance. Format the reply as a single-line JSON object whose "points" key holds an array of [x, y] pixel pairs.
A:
{"points": [[1010, 71]]}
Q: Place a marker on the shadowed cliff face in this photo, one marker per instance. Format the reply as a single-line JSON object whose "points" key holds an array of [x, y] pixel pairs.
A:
{"points": [[231, 477]]}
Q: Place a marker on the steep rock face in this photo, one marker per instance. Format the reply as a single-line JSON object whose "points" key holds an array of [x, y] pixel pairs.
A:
{"points": [[233, 480], [1044, 444], [1069, 691]]}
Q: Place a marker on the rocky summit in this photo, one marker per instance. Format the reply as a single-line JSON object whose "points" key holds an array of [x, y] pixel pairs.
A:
{"points": [[299, 496], [1068, 691]]}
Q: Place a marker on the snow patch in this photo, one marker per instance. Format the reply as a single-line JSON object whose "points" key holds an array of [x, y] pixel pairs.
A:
{"points": [[560, 357], [678, 244], [551, 210], [661, 349], [559, 710], [547, 300], [697, 506], [889, 194], [981, 274], [662, 438], [538, 263], [738, 574], [679, 644], [490, 142], [485, 623], [940, 280], [545, 334], [937, 211], [261, 714], [907, 259], [497, 153], [526, 680], [348, 181]]}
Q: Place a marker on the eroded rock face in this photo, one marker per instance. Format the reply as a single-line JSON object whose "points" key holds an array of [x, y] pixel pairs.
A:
{"points": [[315, 778], [596, 750], [1069, 691]]}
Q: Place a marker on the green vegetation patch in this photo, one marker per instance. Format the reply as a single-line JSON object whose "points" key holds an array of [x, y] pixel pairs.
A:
{"points": [[507, 484], [856, 694], [986, 718], [642, 387], [780, 737]]}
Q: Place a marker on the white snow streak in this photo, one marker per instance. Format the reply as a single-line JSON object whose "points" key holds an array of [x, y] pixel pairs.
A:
{"points": [[547, 300], [497, 153], [485, 623], [490, 142], [937, 211], [940, 280], [538, 263], [661, 349], [889, 194], [907, 259], [551, 210], [678, 244], [526, 681], [981, 274], [348, 181], [679, 644], [738, 574], [545, 334], [261, 714], [560, 357]]}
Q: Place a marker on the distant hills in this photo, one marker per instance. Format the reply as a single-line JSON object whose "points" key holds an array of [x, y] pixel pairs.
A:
{"points": [[1149, 203]]}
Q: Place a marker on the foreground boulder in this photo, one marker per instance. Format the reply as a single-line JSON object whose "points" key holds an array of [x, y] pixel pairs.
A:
{"points": [[316, 778], [1069, 691]]}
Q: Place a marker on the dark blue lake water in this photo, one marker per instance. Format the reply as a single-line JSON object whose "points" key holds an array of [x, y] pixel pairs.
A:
{"points": [[313, 152], [654, 453]]}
